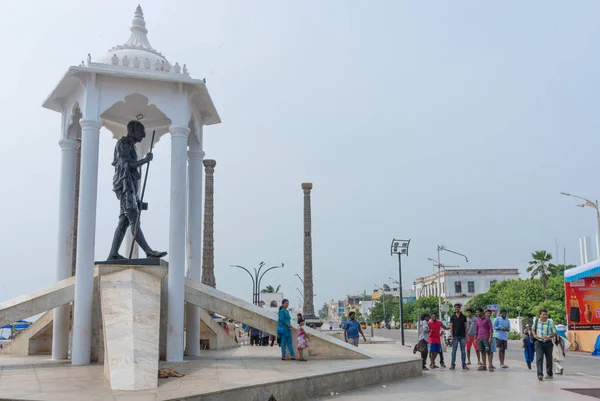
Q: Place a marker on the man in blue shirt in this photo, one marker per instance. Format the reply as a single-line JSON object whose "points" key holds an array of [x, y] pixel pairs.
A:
{"points": [[501, 329], [352, 329]]}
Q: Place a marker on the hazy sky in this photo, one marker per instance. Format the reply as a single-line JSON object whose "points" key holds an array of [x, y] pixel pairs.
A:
{"points": [[444, 122]]}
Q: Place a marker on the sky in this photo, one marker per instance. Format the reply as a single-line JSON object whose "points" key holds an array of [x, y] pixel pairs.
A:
{"points": [[455, 123]]}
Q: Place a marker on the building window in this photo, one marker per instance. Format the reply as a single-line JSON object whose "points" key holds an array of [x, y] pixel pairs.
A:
{"points": [[471, 285], [273, 304], [458, 287], [492, 282]]}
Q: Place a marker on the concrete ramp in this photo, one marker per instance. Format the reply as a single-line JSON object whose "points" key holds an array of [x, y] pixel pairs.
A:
{"points": [[211, 330], [234, 308], [131, 324], [60, 293], [34, 340]]}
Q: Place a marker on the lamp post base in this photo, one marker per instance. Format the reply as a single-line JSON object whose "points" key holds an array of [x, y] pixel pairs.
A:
{"points": [[312, 320]]}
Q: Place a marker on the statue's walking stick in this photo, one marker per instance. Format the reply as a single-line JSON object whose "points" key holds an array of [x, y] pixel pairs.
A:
{"points": [[137, 223]]}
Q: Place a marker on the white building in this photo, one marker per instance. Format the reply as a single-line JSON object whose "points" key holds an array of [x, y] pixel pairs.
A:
{"points": [[366, 306], [336, 310], [460, 285], [270, 300]]}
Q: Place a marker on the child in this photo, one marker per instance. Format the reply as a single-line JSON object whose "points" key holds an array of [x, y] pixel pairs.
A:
{"points": [[528, 348], [558, 353], [303, 339]]}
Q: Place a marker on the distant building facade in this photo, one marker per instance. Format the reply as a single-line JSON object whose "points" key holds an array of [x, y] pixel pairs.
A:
{"points": [[460, 285], [336, 310], [407, 295]]}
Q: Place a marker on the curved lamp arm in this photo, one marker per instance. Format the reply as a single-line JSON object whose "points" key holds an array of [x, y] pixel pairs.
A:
{"points": [[265, 272], [456, 253], [250, 274]]}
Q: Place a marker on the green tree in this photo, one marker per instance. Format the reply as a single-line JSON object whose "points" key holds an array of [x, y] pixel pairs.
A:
{"points": [[324, 311], [413, 309], [525, 297], [540, 266], [380, 314], [270, 289], [555, 308], [559, 270]]}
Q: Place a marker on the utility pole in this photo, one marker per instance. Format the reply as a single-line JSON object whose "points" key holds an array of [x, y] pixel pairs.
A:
{"points": [[439, 266]]}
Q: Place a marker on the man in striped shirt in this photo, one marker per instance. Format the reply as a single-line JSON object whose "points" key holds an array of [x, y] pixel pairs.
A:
{"points": [[544, 332]]}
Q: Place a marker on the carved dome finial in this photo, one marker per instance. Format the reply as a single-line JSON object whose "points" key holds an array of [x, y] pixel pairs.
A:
{"points": [[138, 36]]}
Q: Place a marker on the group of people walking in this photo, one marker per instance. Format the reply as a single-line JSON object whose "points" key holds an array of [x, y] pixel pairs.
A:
{"points": [[487, 333]]}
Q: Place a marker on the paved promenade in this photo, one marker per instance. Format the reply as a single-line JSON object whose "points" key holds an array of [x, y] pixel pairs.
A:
{"points": [[241, 374], [516, 382]]}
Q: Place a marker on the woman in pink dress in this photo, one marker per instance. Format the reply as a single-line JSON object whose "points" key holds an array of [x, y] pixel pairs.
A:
{"points": [[303, 339]]}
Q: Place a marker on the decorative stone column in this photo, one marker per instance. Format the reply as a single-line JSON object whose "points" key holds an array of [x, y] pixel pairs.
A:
{"points": [[66, 201], [208, 252], [194, 244], [308, 309], [176, 286], [86, 237]]}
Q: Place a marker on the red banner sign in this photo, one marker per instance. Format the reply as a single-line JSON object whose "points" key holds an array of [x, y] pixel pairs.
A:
{"points": [[583, 303]]}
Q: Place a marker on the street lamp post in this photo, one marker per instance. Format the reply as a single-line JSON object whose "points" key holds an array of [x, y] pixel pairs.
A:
{"points": [[439, 264], [593, 205], [256, 278], [400, 247]]}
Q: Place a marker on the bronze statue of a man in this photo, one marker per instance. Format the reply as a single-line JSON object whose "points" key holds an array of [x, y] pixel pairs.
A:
{"points": [[125, 185]]}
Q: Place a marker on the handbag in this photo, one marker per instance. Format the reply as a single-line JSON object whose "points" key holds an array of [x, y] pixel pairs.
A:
{"points": [[280, 331]]}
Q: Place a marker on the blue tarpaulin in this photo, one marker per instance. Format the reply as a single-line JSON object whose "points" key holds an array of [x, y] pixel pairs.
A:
{"points": [[20, 325]]}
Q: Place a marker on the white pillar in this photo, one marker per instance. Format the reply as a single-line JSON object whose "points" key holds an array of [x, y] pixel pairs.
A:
{"points": [[177, 231], [86, 236], [194, 244], [66, 217]]}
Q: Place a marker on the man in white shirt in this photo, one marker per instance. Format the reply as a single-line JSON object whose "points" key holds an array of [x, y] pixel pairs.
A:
{"points": [[422, 345]]}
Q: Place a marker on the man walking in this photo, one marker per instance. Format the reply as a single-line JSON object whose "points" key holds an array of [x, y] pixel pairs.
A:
{"points": [[254, 336], [352, 330], [435, 344], [544, 332], [421, 346], [484, 337], [502, 328], [458, 335], [472, 336]]}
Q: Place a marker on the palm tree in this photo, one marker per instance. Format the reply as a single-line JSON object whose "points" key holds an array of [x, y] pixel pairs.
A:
{"points": [[540, 266], [270, 289]]}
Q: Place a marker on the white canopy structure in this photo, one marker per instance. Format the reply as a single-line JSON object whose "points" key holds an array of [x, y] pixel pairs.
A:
{"points": [[131, 81], [587, 270]]}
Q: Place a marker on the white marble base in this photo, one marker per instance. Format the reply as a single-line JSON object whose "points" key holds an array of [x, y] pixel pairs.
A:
{"points": [[131, 323]]}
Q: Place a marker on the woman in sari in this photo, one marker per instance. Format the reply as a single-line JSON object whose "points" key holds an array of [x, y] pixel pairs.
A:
{"points": [[528, 349]]}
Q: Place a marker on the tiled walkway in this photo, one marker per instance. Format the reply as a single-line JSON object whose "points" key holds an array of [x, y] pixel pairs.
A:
{"points": [[514, 383], [38, 378]]}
